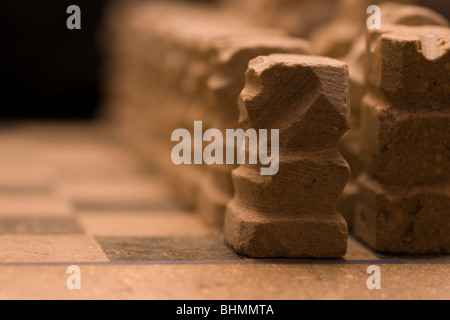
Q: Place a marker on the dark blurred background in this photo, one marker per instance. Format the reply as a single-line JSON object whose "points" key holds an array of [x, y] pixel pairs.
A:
{"points": [[47, 70], [50, 72]]}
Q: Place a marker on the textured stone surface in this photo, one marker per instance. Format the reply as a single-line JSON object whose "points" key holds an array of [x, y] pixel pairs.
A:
{"points": [[230, 57], [411, 220], [193, 63], [268, 235], [292, 213], [347, 202], [391, 14], [258, 281], [169, 254], [410, 66], [167, 248], [317, 182], [403, 202], [402, 147]]}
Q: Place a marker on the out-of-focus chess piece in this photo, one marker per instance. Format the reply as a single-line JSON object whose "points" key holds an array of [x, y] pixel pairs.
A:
{"points": [[403, 198], [391, 13]]}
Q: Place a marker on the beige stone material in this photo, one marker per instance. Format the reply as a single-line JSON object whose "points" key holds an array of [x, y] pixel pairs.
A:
{"points": [[142, 224], [403, 202], [292, 213], [34, 205], [396, 219], [227, 282], [403, 147], [336, 38], [298, 18], [410, 66], [391, 14], [26, 177], [166, 74], [49, 248], [347, 202], [120, 192], [230, 57], [161, 253]]}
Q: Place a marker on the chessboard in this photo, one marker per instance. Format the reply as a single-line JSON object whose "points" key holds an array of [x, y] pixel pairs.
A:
{"points": [[71, 194]]}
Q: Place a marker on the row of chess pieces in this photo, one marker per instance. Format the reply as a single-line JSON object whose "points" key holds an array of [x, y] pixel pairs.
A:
{"points": [[375, 101]]}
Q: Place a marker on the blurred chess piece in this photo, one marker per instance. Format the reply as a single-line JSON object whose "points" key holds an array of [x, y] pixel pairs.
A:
{"points": [[391, 13], [403, 198]]}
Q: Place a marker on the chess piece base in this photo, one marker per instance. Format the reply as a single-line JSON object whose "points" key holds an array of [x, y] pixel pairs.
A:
{"points": [[262, 236]]}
